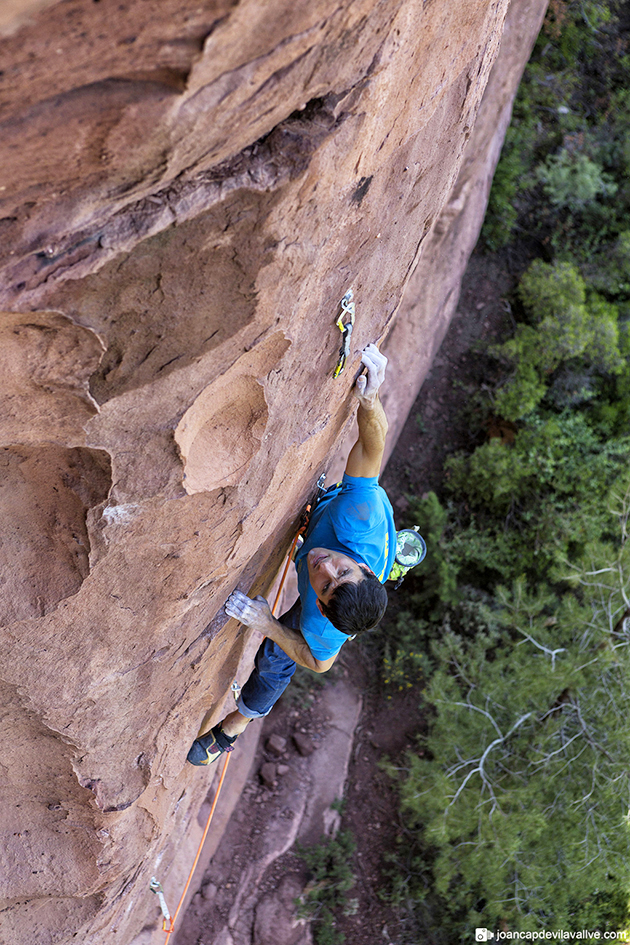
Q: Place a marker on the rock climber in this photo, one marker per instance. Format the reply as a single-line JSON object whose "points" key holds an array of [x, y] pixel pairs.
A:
{"points": [[348, 552]]}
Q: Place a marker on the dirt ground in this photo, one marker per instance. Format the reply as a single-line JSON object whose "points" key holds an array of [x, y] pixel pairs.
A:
{"points": [[388, 724]]}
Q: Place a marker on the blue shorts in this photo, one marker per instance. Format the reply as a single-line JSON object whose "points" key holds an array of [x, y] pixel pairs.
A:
{"points": [[272, 673]]}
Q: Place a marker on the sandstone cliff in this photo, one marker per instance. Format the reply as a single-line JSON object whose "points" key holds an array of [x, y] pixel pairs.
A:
{"points": [[187, 190]]}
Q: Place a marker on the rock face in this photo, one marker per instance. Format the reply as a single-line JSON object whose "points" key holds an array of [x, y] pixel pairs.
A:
{"points": [[187, 190]]}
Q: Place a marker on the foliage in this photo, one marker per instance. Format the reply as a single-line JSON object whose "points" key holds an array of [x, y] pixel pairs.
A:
{"points": [[510, 179], [563, 173], [569, 326], [436, 570], [524, 506], [330, 863], [572, 180], [532, 738], [521, 792], [609, 271], [518, 620], [405, 659]]}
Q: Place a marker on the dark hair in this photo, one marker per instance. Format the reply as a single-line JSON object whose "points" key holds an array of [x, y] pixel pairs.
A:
{"points": [[356, 606]]}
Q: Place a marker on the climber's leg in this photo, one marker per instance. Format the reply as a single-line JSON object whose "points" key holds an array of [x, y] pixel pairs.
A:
{"points": [[235, 723], [271, 675]]}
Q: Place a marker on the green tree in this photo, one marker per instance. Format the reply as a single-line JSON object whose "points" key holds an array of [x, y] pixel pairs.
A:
{"points": [[569, 324], [330, 864], [524, 789], [573, 181]]}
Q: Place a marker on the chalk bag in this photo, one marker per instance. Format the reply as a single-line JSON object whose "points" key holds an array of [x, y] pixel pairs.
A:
{"points": [[411, 549]]}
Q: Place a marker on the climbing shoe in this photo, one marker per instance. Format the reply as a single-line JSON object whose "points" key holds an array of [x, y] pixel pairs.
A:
{"points": [[207, 748]]}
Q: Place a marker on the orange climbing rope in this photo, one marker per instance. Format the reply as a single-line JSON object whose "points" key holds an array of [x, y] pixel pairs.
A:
{"points": [[301, 530], [157, 887], [169, 931]]}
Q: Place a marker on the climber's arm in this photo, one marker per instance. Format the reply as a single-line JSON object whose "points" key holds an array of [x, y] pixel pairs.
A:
{"points": [[366, 456], [257, 615]]}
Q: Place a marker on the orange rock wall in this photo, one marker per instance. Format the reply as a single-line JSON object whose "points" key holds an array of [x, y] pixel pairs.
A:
{"points": [[187, 190]]}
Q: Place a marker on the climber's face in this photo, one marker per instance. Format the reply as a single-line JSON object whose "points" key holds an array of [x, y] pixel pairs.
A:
{"points": [[328, 569]]}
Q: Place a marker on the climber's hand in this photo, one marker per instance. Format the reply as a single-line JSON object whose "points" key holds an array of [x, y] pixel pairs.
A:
{"points": [[367, 385], [252, 613]]}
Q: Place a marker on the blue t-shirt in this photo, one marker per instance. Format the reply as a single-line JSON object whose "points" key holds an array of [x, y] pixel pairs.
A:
{"points": [[356, 519]]}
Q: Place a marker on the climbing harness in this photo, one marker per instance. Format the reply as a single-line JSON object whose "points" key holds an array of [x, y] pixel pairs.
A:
{"points": [[168, 923], [411, 549], [347, 308]]}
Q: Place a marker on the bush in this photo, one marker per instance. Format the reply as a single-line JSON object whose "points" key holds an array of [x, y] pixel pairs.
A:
{"points": [[609, 271], [330, 864], [573, 181], [511, 179], [525, 797], [521, 792], [567, 151], [520, 603], [548, 291], [569, 325], [405, 660], [436, 575]]}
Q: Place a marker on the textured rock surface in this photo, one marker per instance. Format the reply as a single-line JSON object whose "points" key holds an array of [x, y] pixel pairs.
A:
{"points": [[187, 191]]}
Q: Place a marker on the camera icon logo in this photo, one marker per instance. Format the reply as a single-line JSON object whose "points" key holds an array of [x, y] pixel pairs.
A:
{"points": [[483, 935]]}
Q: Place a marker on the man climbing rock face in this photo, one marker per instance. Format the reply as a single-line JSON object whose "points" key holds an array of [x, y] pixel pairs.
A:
{"points": [[349, 549]]}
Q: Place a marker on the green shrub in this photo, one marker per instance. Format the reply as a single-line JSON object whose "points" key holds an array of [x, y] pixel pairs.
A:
{"points": [[406, 661], [330, 864], [609, 271], [572, 180], [521, 790], [569, 325], [436, 575], [570, 132], [511, 179], [522, 392], [548, 291]]}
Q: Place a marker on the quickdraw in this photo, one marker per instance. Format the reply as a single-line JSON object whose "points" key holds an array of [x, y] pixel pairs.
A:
{"points": [[156, 887], [347, 308]]}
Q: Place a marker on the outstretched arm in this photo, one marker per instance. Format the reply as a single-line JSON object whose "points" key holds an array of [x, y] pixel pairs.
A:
{"points": [[257, 614], [366, 456]]}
